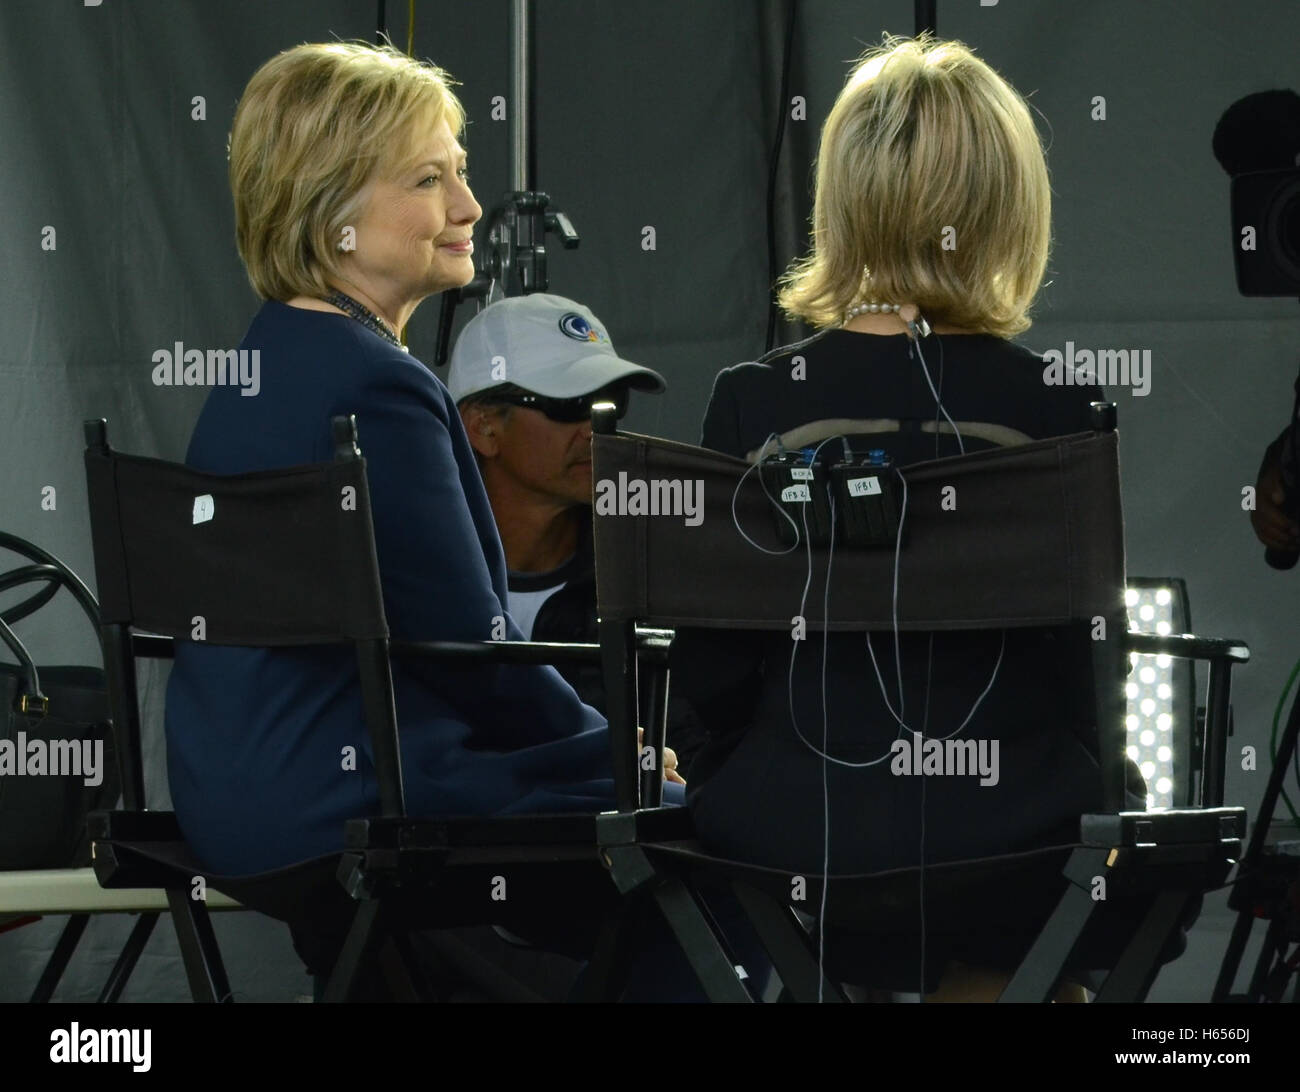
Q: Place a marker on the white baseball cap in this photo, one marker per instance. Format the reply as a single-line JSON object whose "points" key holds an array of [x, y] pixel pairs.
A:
{"points": [[545, 344]]}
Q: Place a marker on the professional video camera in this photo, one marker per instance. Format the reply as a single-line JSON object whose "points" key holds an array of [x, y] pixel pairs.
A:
{"points": [[1257, 141]]}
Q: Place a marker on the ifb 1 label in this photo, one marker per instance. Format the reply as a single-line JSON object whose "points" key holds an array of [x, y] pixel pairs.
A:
{"points": [[864, 487]]}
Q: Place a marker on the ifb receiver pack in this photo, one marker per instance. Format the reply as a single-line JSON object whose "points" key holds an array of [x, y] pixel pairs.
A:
{"points": [[796, 483], [801, 484], [866, 509]]}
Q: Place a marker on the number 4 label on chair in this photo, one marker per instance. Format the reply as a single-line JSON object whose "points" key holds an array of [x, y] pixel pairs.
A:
{"points": [[203, 508]]}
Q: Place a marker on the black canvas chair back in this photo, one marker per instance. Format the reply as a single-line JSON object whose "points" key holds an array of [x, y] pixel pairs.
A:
{"points": [[277, 557], [1033, 536], [1030, 535], [266, 559]]}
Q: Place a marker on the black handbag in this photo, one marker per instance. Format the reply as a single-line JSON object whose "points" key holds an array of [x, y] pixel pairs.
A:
{"points": [[57, 759]]}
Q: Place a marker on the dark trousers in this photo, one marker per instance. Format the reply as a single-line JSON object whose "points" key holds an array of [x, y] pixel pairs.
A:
{"points": [[546, 961]]}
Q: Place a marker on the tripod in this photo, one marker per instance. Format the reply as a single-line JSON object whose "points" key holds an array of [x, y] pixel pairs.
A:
{"points": [[517, 225], [1268, 887]]}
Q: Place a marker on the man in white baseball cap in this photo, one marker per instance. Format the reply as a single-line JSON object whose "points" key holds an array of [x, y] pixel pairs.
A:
{"points": [[548, 345], [525, 372]]}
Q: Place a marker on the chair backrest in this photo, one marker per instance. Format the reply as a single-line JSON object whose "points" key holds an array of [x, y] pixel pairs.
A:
{"points": [[266, 559], [1025, 536]]}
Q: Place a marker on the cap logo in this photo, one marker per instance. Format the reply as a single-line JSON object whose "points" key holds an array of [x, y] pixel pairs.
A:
{"points": [[575, 326]]}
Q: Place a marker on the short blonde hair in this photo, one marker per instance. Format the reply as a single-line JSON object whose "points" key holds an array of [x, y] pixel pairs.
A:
{"points": [[926, 137], [314, 125]]}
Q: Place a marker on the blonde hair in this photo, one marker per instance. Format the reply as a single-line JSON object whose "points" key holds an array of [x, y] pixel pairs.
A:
{"points": [[926, 146], [314, 125]]}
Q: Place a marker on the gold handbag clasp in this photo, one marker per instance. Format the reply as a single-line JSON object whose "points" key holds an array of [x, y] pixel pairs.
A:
{"points": [[34, 705]]}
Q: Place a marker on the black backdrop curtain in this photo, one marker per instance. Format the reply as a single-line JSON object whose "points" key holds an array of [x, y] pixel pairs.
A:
{"points": [[662, 113]]}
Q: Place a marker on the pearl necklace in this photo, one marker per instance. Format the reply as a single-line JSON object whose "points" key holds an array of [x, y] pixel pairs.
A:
{"points": [[365, 316], [917, 326], [872, 307]]}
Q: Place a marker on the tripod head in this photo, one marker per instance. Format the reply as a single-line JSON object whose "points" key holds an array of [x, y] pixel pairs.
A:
{"points": [[515, 260]]}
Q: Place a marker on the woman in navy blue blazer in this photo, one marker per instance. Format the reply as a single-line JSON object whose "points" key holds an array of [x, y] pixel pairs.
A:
{"points": [[352, 204]]}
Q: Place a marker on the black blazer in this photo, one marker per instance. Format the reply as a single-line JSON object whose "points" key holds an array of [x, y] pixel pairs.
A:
{"points": [[756, 790]]}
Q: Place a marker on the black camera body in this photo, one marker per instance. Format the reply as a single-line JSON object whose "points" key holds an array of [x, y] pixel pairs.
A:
{"points": [[1266, 211], [1257, 142]]}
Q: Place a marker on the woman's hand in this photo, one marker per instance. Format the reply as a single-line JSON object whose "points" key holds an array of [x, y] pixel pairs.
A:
{"points": [[670, 767], [670, 759]]}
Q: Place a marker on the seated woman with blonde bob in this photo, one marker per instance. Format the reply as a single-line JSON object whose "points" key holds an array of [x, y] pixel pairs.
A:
{"points": [[932, 197]]}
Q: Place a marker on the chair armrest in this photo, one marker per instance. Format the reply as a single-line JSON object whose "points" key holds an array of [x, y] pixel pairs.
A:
{"points": [[152, 646], [133, 826], [1187, 647], [652, 643], [511, 652], [1170, 827]]}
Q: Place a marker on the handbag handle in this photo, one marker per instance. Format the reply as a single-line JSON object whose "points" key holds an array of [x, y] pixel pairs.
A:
{"points": [[55, 573], [25, 575], [31, 701], [69, 579], [32, 604]]}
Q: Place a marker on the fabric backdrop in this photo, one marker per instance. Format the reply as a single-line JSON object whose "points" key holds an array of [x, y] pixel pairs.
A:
{"points": [[654, 113]]}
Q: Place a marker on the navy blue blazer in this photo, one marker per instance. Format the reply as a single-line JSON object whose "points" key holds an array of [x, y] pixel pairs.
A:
{"points": [[256, 738]]}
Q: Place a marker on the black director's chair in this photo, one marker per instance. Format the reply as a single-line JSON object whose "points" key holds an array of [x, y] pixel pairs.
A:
{"points": [[284, 563], [1036, 542]]}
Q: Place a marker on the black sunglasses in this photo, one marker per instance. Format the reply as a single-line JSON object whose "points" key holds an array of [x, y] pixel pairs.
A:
{"points": [[568, 411]]}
